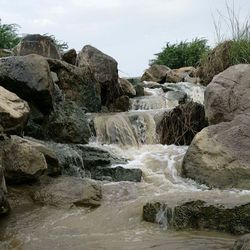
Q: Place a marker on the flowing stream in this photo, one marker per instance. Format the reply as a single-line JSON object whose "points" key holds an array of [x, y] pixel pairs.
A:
{"points": [[117, 223]]}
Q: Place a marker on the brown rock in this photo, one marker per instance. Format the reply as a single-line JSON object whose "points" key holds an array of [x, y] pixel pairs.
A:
{"points": [[13, 112]]}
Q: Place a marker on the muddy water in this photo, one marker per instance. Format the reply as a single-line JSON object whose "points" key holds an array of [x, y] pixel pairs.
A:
{"points": [[117, 223]]}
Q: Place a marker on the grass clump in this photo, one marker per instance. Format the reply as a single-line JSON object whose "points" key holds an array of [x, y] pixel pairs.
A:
{"points": [[181, 54], [232, 48]]}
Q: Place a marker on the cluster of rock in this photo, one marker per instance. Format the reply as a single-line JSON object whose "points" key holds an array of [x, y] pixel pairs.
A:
{"points": [[219, 155], [45, 95], [162, 74]]}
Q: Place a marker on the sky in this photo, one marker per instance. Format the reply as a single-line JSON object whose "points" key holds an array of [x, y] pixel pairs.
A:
{"points": [[131, 31]]}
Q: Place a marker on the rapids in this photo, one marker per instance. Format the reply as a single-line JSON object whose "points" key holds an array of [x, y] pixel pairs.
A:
{"points": [[117, 223]]}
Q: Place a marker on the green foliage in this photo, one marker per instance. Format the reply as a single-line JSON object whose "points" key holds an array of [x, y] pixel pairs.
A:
{"points": [[182, 54], [8, 35], [233, 47]]}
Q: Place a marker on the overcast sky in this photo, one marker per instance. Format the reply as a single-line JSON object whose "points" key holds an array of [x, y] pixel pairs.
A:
{"points": [[131, 31]]}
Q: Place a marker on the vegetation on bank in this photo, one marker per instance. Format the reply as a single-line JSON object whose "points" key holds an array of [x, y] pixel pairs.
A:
{"points": [[182, 54], [9, 37], [231, 48]]}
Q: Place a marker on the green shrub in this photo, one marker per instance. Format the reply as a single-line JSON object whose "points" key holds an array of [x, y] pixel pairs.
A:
{"points": [[8, 35], [182, 54]]}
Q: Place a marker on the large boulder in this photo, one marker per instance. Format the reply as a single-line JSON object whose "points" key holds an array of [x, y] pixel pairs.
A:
{"points": [[29, 77], [67, 191], [243, 243], [68, 124], [21, 161], [13, 112], [180, 125], [156, 73], [219, 155], [37, 44], [77, 84], [228, 94], [105, 71]]}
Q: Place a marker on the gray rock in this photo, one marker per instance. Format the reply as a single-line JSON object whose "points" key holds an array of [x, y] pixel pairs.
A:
{"points": [[219, 155], [243, 243], [94, 157], [68, 124], [105, 72], [116, 174], [77, 84], [68, 191], [28, 77], [228, 94], [13, 112], [37, 44], [198, 214]]}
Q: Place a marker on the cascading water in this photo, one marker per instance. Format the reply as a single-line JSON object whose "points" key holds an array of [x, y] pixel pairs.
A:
{"points": [[117, 223]]}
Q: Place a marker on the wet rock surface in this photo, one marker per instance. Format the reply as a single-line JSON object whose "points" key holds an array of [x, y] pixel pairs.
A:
{"points": [[118, 173], [67, 191], [198, 214]]}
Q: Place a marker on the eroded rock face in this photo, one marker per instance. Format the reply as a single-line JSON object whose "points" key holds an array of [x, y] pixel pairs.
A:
{"points": [[156, 73], [200, 215], [13, 112], [67, 191], [37, 44], [228, 94], [105, 72], [28, 77], [77, 84], [243, 243], [219, 155], [68, 124]]}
